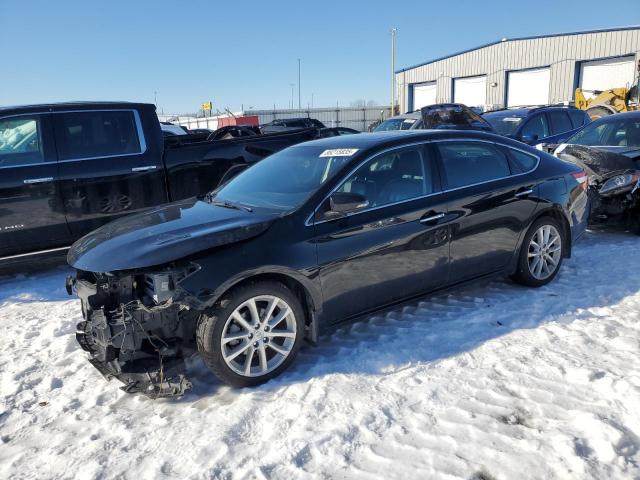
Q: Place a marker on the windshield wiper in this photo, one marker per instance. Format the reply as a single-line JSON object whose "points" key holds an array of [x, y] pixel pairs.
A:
{"points": [[227, 204]]}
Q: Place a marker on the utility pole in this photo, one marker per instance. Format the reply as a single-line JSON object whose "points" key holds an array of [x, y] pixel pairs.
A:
{"points": [[299, 101], [292, 85], [393, 71]]}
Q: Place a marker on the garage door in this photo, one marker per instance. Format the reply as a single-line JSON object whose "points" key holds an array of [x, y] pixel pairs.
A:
{"points": [[528, 87], [424, 94], [606, 74], [471, 91]]}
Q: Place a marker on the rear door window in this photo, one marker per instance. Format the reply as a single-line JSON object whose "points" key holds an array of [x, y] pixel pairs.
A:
{"points": [[523, 162], [560, 122], [469, 163], [536, 127], [578, 118], [96, 134], [21, 141]]}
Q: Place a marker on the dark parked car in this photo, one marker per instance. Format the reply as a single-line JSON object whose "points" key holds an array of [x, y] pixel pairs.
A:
{"points": [[171, 129], [200, 131], [319, 233], [406, 121], [287, 123], [68, 168], [336, 132], [452, 116], [533, 125], [438, 116]]}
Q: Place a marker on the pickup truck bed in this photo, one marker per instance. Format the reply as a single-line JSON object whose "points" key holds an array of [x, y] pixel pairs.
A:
{"points": [[66, 169]]}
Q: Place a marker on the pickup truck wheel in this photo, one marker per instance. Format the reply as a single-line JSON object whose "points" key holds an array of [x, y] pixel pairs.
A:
{"points": [[252, 335], [540, 255]]}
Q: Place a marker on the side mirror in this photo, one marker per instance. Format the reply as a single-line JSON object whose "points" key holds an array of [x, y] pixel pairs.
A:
{"points": [[343, 202], [529, 137]]}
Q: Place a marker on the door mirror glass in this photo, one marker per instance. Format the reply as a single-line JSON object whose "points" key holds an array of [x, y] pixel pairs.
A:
{"points": [[343, 202]]}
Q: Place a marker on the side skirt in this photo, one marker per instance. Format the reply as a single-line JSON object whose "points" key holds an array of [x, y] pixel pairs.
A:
{"points": [[411, 300]]}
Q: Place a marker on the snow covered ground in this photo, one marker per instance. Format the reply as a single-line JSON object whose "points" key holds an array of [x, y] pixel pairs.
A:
{"points": [[491, 382]]}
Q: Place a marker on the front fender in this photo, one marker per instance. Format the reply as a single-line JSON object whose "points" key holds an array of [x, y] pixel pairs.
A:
{"points": [[204, 288]]}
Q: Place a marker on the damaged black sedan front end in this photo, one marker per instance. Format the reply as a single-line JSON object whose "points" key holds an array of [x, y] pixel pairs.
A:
{"points": [[139, 324], [136, 330]]}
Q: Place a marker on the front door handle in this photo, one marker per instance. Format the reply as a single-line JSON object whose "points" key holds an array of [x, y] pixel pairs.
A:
{"points": [[31, 181], [432, 218], [523, 193], [146, 168]]}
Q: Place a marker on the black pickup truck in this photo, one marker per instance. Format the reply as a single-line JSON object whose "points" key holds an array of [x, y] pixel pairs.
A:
{"points": [[66, 169]]}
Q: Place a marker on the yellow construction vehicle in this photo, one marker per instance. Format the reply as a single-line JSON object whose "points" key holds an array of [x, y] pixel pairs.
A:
{"points": [[607, 102]]}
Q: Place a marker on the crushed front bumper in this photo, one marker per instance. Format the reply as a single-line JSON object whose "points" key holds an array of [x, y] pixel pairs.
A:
{"points": [[142, 347]]}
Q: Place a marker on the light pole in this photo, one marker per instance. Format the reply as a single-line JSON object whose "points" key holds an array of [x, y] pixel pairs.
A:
{"points": [[299, 101], [155, 98], [393, 73], [292, 85]]}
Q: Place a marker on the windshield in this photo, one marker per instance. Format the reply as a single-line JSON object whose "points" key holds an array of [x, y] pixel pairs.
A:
{"points": [[502, 123], [613, 133], [284, 180], [395, 124]]}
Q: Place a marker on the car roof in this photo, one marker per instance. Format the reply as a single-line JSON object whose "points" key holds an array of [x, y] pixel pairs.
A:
{"points": [[365, 141], [62, 106], [619, 116], [524, 111]]}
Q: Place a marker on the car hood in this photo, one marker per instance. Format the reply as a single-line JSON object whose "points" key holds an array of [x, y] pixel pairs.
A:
{"points": [[598, 161], [164, 234]]}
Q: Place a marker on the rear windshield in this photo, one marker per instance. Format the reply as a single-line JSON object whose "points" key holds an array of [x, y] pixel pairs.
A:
{"points": [[396, 124], [452, 116], [502, 123]]}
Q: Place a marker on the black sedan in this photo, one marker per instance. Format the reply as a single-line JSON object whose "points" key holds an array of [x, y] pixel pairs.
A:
{"points": [[317, 234]]}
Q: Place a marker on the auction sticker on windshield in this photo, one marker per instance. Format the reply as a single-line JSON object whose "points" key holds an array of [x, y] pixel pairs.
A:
{"points": [[339, 152]]}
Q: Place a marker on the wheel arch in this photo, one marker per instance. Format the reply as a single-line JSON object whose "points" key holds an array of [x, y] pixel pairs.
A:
{"points": [[309, 296], [557, 213]]}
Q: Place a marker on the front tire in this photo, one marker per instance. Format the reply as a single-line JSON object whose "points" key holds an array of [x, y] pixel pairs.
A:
{"points": [[253, 334], [541, 253]]}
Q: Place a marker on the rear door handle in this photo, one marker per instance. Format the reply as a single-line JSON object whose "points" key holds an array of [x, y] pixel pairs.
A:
{"points": [[146, 168], [523, 193], [31, 181], [432, 218]]}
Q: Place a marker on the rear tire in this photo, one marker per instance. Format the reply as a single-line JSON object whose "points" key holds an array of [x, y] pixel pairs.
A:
{"points": [[253, 334], [540, 256]]}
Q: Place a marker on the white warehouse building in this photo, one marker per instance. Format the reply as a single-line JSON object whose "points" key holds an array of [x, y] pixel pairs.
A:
{"points": [[524, 71]]}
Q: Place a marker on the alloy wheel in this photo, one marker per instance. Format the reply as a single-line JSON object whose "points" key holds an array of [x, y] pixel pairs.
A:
{"points": [[258, 336], [545, 251]]}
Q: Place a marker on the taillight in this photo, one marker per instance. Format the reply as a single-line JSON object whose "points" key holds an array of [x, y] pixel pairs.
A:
{"points": [[582, 178]]}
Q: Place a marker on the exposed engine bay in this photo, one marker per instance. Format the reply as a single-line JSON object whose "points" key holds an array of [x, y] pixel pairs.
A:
{"points": [[135, 330], [614, 182]]}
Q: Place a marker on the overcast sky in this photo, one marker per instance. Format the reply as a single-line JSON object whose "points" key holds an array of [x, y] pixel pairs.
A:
{"points": [[245, 53]]}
